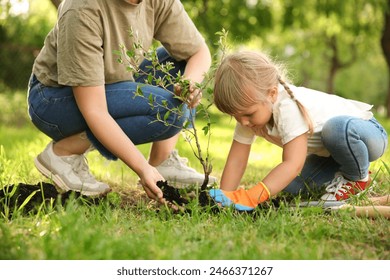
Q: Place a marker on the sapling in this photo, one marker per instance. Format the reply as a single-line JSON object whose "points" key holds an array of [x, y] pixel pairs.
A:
{"points": [[179, 86]]}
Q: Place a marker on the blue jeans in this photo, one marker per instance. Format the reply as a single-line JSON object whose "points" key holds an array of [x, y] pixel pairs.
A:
{"points": [[352, 143], [53, 110]]}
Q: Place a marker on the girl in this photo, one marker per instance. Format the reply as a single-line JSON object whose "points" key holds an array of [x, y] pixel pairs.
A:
{"points": [[325, 138]]}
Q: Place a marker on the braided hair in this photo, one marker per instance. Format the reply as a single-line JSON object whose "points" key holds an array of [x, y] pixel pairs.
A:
{"points": [[300, 105]]}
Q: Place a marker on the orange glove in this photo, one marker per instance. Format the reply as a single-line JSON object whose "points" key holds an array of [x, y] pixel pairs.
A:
{"points": [[243, 200]]}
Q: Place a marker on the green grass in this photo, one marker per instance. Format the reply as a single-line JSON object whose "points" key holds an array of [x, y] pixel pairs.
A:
{"points": [[132, 228]]}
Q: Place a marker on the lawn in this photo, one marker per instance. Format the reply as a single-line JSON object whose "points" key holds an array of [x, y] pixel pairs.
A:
{"points": [[128, 226]]}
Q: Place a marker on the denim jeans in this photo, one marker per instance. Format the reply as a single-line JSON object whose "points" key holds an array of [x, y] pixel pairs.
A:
{"points": [[352, 143], [53, 110]]}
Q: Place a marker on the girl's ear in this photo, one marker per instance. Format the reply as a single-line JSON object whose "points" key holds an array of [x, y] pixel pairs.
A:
{"points": [[273, 94]]}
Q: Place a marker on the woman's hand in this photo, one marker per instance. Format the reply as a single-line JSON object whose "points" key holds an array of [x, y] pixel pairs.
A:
{"points": [[192, 95], [148, 179]]}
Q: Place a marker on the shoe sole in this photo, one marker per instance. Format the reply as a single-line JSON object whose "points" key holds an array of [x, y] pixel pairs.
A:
{"points": [[321, 203], [60, 184]]}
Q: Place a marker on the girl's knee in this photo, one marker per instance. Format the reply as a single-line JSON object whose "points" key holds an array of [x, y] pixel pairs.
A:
{"points": [[334, 126]]}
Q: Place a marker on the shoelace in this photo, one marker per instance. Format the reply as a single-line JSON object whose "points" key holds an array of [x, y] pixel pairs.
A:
{"points": [[338, 186], [178, 158], [80, 167]]}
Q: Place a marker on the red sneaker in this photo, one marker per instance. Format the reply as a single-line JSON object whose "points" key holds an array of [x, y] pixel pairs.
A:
{"points": [[341, 189]]}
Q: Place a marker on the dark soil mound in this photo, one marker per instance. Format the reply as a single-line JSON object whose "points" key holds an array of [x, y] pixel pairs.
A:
{"points": [[172, 195], [32, 196]]}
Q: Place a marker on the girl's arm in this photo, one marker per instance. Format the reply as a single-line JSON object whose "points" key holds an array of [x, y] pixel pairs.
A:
{"points": [[92, 104], [294, 156], [293, 159], [235, 166]]}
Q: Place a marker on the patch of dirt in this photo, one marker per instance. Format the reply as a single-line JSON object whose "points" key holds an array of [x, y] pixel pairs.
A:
{"points": [[132, 197], [171, 194], [28, 197], [178, 203]]}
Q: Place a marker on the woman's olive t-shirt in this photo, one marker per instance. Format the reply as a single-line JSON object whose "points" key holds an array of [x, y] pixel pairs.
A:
{"points": [[79, 50]]}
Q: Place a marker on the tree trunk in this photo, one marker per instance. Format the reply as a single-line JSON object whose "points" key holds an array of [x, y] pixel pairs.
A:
{"points": [[56, 3], [336, 64], [385, 42]]}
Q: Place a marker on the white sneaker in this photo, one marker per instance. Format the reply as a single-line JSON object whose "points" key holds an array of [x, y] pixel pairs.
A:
{"points": [[69, 173], [175, 170]]}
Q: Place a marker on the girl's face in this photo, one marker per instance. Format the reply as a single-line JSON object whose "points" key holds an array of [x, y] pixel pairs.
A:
{"points": [[258, 114]]}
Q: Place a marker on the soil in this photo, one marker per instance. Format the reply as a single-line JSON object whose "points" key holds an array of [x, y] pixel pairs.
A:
{"points": [[171, 194], [15, 195]]}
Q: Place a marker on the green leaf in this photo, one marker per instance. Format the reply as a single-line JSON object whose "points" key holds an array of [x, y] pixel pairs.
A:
{"points": [[130, 53], [139, 92], [151, 100], [166, 115], [150, 79], [205, 130]]}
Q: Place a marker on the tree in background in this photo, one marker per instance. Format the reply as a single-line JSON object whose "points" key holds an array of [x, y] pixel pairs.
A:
{"points": [[344, 28], [56, 3], [385, 43], [244, 19], [21, 38], [321, 37]]}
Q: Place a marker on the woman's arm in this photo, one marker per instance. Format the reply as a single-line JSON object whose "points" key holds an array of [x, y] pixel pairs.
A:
{"points": [[92, 104], [294, 156], [196, 68], [198, 64], [235, 166]]}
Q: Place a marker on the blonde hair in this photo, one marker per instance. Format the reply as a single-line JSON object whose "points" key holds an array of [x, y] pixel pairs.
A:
{"points": [[239, 70]]}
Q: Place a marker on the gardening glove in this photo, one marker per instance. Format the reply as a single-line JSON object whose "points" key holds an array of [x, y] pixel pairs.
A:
{"points": [[243, 200]]}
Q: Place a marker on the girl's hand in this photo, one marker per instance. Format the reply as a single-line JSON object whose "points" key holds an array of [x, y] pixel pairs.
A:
{"points": [[148, 179], [242, 200], [192, 95]]}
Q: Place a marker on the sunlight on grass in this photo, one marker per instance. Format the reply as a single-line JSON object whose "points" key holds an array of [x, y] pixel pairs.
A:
{"points": [[129, 226]]}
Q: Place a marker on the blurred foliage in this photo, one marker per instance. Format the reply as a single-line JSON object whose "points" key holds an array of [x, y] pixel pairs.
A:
{"points": [[329, 45], [325, 44], [243, 19], [21, 37], [13, 109]]}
